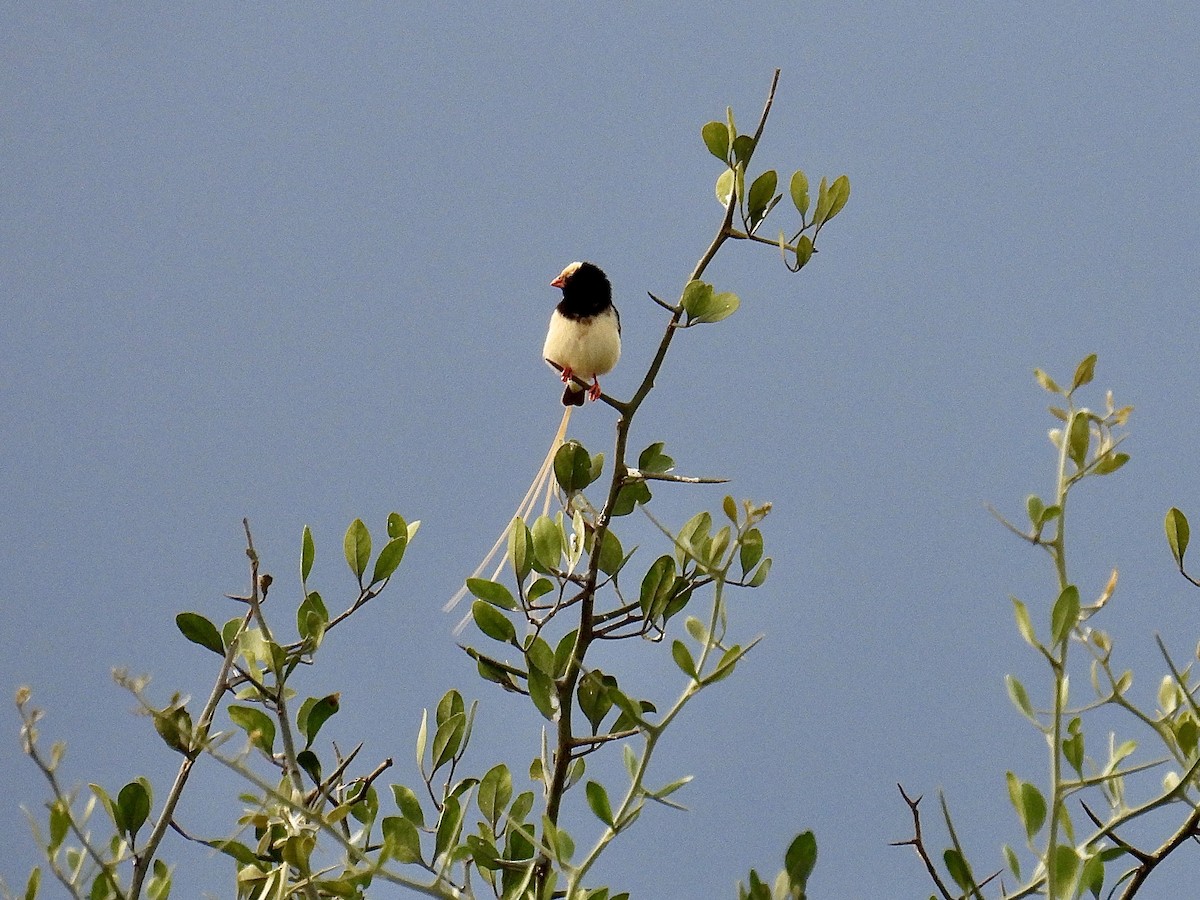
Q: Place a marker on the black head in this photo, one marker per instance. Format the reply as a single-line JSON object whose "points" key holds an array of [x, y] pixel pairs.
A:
{"points": [[585, 288]]}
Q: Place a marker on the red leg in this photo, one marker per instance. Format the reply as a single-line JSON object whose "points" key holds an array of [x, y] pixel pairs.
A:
{"points": [[567, 375], [594, 390]]}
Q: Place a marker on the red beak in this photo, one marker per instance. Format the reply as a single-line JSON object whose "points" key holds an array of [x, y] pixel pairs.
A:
{"points": [[557, 282]]}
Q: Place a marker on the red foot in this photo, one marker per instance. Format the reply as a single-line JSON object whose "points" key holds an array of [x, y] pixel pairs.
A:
{"points": [[594, 390], [567, 375]]}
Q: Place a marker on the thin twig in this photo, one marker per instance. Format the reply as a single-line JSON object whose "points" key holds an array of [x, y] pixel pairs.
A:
{"points": [[639, 475], [663, 303], [918, 844]]}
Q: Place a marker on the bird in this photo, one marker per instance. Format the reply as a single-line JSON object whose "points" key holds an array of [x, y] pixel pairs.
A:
{"points": [[584, 339], [583, 342]]}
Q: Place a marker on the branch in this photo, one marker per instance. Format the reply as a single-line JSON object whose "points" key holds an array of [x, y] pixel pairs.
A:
{"points": [[1189, 829], [918, 844], [142, 864], [639, 475], [565, 686]]}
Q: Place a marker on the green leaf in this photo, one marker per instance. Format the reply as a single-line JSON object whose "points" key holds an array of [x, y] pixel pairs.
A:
{"points": [[1079, 438], [725, 666], [1092, 876], [612, 555], [657, 583], [729, 507], [800, 860], [408, 804], [1073, 747], [703, 306], [449, 825], [1034, 507], [799, 191], [492, 591], [1024, 624], [357, 545], [743, 149], [364, 805], [751, 550], [725, 184], [1020, 698], [1047, 383], [572, 467], [1187, 734], [1032, 809], [447, 740], [839, 194], [1066, 864], [312, 617], [199, 630], [629, 497], [695, 295], [762, 192], [957, 866], [32, 885], [308, 552], [495, 791], [311, 764], [1085, 372], [760, 575], [493, 623], [230, 630], [318, 714], [389, 559], [520, 542], [133, 805], [451, 704], [1110, 462], [257, 725], [652, 459], [597, 799], [397, 527], [594, 700], [804, 251], [1065, 614], [1014, 864], [547, 542], [1178, 533], [683, 659], [174, 726], [563, 652], [60, 821], [401, 840], [716, 139], [821, 213]]}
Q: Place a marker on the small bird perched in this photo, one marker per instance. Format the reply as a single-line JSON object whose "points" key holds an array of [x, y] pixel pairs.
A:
{"points": [[584, 340]]}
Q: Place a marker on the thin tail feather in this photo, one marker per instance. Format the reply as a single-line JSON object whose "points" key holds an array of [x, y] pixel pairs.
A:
{"points": [[541, 482]]}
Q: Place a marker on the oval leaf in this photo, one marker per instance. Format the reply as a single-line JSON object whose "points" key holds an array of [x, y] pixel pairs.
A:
{"points": [[1178, 534], [493, 623], [799, 191], [308, 552], [716, 139], [597, 799], [257, 725], [357, 545], [199, 630], [134, 805], [389, 559]]}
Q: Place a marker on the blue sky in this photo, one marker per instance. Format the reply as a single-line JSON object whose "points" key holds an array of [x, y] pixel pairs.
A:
{"points": [[293, 264]]}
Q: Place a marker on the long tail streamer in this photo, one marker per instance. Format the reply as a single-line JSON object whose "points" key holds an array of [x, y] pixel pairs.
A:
{"points": [[543, 488]]}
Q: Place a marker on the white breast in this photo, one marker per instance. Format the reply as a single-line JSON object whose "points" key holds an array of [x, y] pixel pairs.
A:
{"points": [[588, 347]]}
